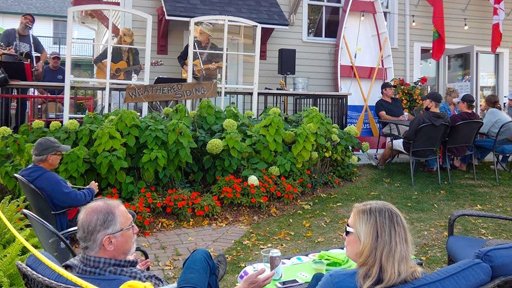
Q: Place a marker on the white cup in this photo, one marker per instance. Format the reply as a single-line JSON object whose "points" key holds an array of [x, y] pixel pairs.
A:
{"points": [[405, 116]]}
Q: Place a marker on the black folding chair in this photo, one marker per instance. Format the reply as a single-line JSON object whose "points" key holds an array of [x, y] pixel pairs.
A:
{"points": [[52, 241], [426, 145], [33, 279], [460, 142], [39, 204], [503, 150]]}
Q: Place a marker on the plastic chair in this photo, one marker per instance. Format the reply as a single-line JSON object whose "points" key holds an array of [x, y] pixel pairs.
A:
{"points": [[38, 202], [426, 145], [52, 241], [460, 247], [394, 128], [505, 132], [36, 280], [462, 135]]}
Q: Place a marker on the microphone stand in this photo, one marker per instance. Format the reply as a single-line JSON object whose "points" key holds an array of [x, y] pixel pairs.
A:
{"points": [[32, 47]]}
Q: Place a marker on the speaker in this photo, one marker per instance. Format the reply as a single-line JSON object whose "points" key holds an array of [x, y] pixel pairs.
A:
{"points": [[286, 62]]}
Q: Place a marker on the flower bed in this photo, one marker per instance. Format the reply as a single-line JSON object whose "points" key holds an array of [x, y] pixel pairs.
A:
{"points": [[195, 162]]}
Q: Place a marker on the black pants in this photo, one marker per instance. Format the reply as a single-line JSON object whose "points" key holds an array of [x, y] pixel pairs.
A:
{"points": [[5, 110]]}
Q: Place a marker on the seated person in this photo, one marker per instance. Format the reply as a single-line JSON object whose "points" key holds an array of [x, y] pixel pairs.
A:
{"points": [[466, 107], [493, 120], [107, 236], [430, 115], [46, 156], [378, 240], [449, 107], [390, 108]]}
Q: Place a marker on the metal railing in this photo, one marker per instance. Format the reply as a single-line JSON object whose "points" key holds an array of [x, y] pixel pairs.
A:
{"points": [[82, 47]]}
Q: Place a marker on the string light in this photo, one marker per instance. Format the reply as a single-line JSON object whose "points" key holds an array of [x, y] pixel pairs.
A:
{"points": [[413, 21], [466, 27], [362, 16]]}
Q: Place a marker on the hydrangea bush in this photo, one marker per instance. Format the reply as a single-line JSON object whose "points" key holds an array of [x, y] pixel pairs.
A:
{"points": [[272, 157]]}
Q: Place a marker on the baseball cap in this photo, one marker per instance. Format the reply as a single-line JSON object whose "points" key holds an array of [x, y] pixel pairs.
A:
{"points": [[466, 98], [435, 97], [386, 85], [54, 54], [510, 96], [48, 145], [31, 16]]}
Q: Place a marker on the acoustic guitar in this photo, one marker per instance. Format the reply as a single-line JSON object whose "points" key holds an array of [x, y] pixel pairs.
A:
{"points": [[117, 69], [209, 71]]}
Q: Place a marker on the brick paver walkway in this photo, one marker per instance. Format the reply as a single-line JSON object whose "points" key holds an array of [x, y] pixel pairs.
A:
{"points": [[177, 244]]}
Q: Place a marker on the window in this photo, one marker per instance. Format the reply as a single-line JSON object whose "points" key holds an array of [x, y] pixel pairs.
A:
{"points": [[59, 32], [323, 19]]}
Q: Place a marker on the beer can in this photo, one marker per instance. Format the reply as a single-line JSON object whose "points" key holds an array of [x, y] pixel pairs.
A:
{"points": [[275, 263]]}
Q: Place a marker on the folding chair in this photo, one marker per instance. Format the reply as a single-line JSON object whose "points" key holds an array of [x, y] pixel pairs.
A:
{"points": [[39, 203], [501, 145], [460, 140], [426, 145], [33, 279]]}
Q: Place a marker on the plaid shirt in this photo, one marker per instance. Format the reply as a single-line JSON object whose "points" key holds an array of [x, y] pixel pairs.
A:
{"points": [[99, 266]]}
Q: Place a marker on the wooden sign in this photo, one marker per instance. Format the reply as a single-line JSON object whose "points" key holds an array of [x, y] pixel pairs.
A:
{"points": [[167, 92]]}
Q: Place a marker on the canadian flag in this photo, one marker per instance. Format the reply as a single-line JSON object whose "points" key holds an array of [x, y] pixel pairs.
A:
{"points": [[498, 14]]}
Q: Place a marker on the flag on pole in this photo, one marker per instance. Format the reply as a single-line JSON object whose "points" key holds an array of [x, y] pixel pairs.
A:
{"points": [[498, 14], [438, 39]]}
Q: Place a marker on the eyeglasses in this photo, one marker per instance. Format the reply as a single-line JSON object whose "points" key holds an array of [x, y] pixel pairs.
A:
{"points": [[131, 226], [348, 230], [57, 154]]}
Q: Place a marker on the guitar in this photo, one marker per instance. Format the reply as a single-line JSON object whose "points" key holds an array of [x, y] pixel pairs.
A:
{"points": [[117, 69], [209, 71]]}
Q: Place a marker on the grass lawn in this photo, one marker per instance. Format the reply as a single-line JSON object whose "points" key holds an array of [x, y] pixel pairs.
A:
{"points": [[318, 221]]}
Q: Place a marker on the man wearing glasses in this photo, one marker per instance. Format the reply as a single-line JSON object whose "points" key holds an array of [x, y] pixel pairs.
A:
{"points": [[107, 235], [46, 156]]}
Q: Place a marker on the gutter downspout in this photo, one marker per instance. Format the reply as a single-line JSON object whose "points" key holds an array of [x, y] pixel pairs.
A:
{"points": [[407, 41]]}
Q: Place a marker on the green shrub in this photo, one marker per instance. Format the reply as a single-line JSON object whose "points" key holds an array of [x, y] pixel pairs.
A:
{"points": [[11, 248]]}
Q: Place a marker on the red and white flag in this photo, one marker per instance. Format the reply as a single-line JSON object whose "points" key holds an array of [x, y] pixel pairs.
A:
{"points": [[498, 14]]}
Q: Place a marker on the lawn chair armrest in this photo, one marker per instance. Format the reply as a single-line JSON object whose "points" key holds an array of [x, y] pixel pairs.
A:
{"points": [[472, 213], [66, 233]]}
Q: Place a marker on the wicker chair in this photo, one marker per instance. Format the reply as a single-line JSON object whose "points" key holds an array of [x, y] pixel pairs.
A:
{"points": [[35, 280]]}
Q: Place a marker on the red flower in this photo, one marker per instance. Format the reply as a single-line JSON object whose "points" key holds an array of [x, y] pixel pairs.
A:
{"points": [[308, 172], [253, 200], [199, 212], [143, 190], [148, 195], [309, 185], [264, 199], [159, 204], [278, 194], [152, 188], [146, 222], [114, 190], [168, 210]]}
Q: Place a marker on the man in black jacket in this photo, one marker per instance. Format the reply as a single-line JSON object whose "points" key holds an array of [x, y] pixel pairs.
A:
{"points": [[431, 115]]}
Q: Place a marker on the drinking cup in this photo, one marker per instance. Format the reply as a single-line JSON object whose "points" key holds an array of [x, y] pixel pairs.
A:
{"points": [[265, 257], [319, 266]]}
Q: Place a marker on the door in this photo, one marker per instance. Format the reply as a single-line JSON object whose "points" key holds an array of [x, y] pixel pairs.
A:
{"points": [[459, 70]]}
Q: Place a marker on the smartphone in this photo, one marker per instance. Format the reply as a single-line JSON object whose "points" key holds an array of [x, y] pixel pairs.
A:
{"points": [[288, 283]]}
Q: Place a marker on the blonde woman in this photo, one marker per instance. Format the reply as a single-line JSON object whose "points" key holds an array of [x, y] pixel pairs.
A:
{"points": [[448, 106], [378, 240], [125, 60]]}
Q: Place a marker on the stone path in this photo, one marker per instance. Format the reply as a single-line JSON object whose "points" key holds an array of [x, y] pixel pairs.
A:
{"points": [[177, 244]]}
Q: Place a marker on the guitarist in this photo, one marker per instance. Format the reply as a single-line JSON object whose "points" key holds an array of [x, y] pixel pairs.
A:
{"points": [[127, 54], [205, 63], [20, 43]]}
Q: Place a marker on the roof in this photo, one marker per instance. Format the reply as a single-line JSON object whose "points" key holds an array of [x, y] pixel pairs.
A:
{"points": [[52, 8], [264, 12]]}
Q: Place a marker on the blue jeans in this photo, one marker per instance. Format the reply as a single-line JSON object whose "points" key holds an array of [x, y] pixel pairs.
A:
{"points": [[484, 147], [199, 271]]}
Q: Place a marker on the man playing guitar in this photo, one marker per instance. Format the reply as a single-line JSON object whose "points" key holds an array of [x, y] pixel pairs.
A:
{"points": [[205, 63]]}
